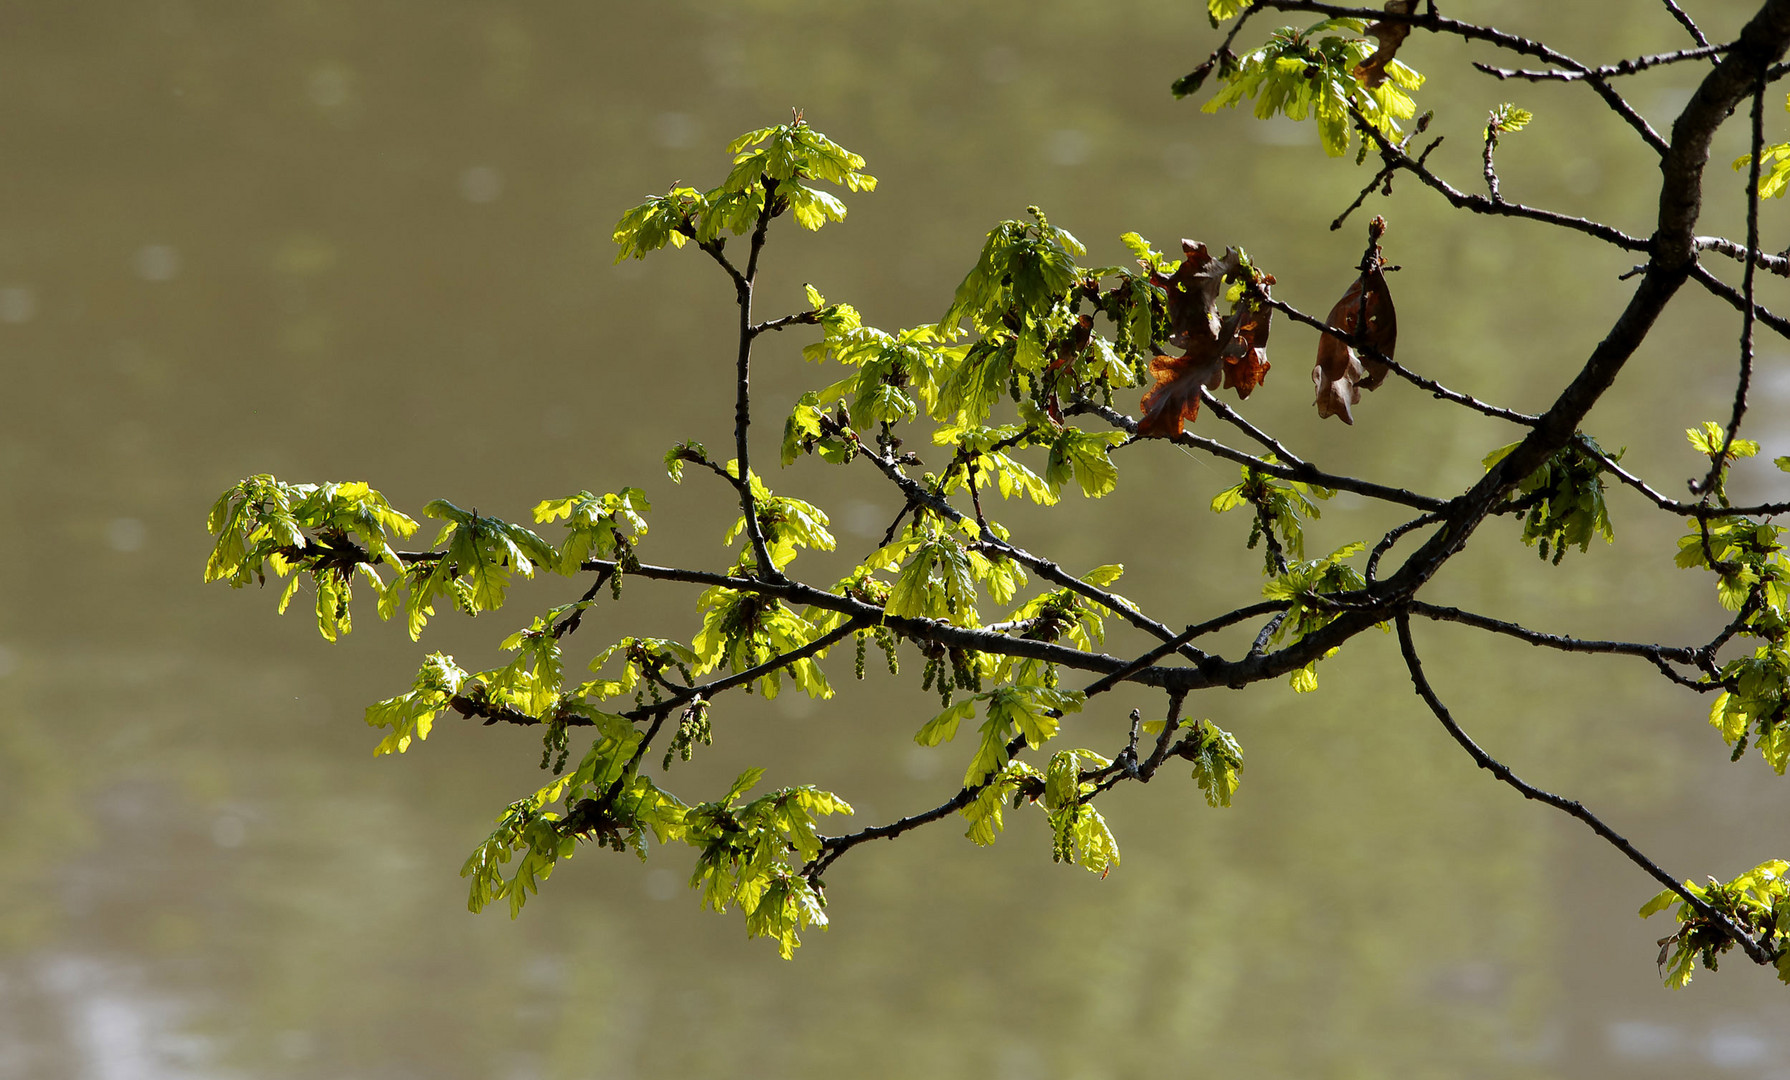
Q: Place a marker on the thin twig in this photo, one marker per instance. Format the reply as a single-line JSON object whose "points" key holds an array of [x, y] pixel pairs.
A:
{"points": [[571, 622], [1491, 171], [1719, 288], [1775, 264], [1569, 806], [474, 708], [1605, 71], [1308, 474], [1681, 654], [801, 318], [1107, 682], [1232, 417], [1391, 538], [1720, 461], [1383, 178], [834, 846], [1480, 204], [1170, 722], [1685, 21]]}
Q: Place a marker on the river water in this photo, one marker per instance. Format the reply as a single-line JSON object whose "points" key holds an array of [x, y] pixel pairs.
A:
{"points": [[337, 241]]}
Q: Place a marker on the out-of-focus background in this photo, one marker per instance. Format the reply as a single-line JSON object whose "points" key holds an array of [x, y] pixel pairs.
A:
{"points": [[349, 241]]}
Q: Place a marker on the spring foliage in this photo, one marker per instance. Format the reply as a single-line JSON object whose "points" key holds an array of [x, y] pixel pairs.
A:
{"points": [[1013, 393]]}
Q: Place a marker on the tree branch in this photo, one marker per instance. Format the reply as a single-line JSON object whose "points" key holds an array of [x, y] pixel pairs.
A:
{"points": [[1308, 474], [1749, 309], [1621, 67], [474, 708], [1568, 806], [1511, 42], [1683, 655], [742, 410], [1761, 43], [834, 846]]}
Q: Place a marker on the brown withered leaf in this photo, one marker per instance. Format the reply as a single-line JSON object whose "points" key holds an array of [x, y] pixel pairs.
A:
{"points": [[1366, 312], [1175, 397], [1228, 352], [1378, 329], [1337, 379], [1246, 355], [1193, 294], [1390, 35]]}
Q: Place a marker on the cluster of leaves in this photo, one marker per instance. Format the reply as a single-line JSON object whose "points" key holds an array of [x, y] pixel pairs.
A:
{"points": [[1746, 556], [773, 163], [745, 853], [1022, 336], [787, 525], [1327, 71], [330, 531], [605, 798], [1313, 592], [1217, 759], [1710, 440], [1229, 352], [1564, 498], [336, 531], [1030, 709], [1078, 831], [646, 666], [597, 526], [746, 630], [1065, 614], [411, 715], [896, 376], [1022, 298], [939, 567], [1504, 119], [1758, 902], [1279, 507], [1752, 580], [1217, 763]]}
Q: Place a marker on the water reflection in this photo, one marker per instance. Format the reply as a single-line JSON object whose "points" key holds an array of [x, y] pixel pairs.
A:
{"points": [[333, 242]]}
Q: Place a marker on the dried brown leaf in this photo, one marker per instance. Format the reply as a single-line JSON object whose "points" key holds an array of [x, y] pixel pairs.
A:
{"points": [[1337, 378], [1390, 35], [1175, 397], [1193, 294], [1228, 351], [1246, 355], [1364, 314]]}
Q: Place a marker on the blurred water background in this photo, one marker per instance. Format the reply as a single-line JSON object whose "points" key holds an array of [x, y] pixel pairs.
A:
{"points": [[370, 241]]}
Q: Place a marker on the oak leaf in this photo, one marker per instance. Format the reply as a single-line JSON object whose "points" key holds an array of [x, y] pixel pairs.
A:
{"points": [[1246, 355], [1372, 71], [1365, 315], [1228, 352], [1193, 294], [1175, 397]]}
